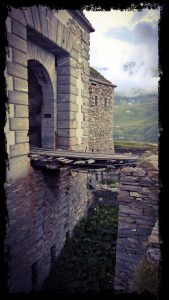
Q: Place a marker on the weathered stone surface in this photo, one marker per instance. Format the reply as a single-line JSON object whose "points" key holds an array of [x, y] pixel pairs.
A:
{"points": [[17, 42], [18, 15], [132, 241], [17, 70], [136, 195], [67, 71], [20, 85], [42, 13], [70, 42], [36, 19], [20, 58], [21, 136], [19, 124], [21, 111], [19, 149], [19, 29], [28, 16], [18, 98], [100, 115], [67, 107]]}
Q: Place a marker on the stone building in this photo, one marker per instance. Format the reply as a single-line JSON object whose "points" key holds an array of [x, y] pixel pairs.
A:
{"points": [[101, 104], [47, 75]]}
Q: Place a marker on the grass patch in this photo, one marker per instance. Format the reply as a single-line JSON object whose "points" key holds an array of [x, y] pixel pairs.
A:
{"points": [[111, 183], [87, 261], [146, 277], [131, 145]]}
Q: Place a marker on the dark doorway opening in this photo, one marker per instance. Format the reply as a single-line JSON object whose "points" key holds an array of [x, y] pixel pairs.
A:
{"points": [[35, 108]]}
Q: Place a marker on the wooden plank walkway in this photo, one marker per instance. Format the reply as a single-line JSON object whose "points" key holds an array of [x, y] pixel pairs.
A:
{"points": [[57, 158]]}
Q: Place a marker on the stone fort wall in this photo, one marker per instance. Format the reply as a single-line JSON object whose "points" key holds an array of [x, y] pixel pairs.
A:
{"points": [[101, 106], [43, 206], [138, 212]]}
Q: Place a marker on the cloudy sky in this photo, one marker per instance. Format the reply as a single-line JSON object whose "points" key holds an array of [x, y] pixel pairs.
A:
{"points": [[124, 48]]}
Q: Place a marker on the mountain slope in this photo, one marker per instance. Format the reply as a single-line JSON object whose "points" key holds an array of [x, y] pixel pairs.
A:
{"points": [[136, 119]]}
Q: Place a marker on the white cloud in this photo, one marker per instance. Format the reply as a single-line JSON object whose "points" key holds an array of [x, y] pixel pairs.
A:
{"points": [[124, 48]]}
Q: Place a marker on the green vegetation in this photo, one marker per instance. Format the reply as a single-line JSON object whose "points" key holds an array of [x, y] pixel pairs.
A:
{"points": [[111, 183], [146, 277], [87, 261], [136, 120], [130, 146]]}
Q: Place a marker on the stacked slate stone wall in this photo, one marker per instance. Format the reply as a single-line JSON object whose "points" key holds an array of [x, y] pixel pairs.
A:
{"points": [[100, 116], [44, 206], [138, 213]]}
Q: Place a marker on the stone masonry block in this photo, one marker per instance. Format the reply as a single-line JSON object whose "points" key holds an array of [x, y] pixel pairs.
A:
{"points": [[18, 97], [65, 89], [21, 136], [66, 79], [74, 54], [66, 98], [63, 116], [135, 194], [17, 42], [19, 29], [67, 107], [21, 111], [36, 19], [19, 149], [20, 58], [18, 15], [67, 133], [28, 16], [59, 36], [9, 81], [17, 70], [70, 42], [9, 24], [71, 141], [67, 124], [42, 14], [65, 37], [19, 124], [66, 61], [20, 85], [67, 71]]}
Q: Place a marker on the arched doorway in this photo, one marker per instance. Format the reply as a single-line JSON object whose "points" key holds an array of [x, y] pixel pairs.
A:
{"points": [[41, 106]]}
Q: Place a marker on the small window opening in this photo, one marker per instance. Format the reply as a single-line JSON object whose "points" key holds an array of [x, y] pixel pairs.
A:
{"points": [[93, 84], [96, 100], [105, 103]]}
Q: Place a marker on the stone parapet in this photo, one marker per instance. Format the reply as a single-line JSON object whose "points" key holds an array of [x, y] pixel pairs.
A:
{"points": [[138, 212]]}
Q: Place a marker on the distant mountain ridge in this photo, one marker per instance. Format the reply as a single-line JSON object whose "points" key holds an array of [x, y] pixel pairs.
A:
{"points": [[136, 118], [136, 99]]}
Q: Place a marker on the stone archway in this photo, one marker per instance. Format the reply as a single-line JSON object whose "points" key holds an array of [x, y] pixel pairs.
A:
{"points": [[41, 106]]}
